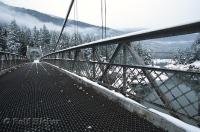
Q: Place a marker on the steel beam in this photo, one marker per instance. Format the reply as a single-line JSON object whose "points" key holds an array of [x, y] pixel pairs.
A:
{"points": [[93, 64], [75, 59], [111, 61], [154, 85], [124, 70]]}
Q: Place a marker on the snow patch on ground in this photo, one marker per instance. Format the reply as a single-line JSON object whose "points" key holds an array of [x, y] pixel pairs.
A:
{"points": [[177, 67], [159, 61], [177, 122], [36, 61], [195, 64]]}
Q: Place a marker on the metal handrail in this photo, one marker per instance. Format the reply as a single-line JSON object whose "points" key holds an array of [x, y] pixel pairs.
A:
{"points": [[182, 29], [8, 60]]}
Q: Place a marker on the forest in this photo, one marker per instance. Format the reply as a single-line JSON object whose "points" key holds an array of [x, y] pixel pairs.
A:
{"points": [[15, 38]]}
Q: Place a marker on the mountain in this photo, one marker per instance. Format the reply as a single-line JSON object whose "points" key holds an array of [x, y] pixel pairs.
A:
{"points": [[165, 48], [170, 44], [31, 18]]}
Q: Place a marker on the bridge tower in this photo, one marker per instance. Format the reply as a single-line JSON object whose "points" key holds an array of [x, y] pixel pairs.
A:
{"points": [[34, 53]]}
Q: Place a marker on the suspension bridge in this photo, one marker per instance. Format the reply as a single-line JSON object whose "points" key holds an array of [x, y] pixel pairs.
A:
{"points": [[75, 90]]}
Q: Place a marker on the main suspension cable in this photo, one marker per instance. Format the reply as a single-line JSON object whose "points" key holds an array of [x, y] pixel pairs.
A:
{"points": [[77, 16], [102, 21], [76, 22], [105, 6], [105, 22], [66, 19]]}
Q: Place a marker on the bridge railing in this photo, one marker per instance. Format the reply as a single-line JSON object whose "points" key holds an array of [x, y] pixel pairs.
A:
{"points": [[116, 64], [8, 60]]}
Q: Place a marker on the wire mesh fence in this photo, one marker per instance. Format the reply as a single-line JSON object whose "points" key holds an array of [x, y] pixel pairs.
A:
{"points": [[124, 69], [172, 90]]}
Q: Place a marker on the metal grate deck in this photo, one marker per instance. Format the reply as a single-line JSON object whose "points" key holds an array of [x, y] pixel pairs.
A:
{"points": [[37, 98]]}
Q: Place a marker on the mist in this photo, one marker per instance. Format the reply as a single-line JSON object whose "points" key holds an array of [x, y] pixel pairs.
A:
{"points": [[22, 19]]}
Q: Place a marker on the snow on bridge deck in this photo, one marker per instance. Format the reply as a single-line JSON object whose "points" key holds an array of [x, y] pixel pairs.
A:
{"points": [[38, 97]]}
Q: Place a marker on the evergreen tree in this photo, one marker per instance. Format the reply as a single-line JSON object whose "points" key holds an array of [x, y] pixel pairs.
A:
{"points": [[76, 39], [88, 38], [45, 38], [13, 37], [53, 41], [144, 53], [3, 36], [24, 41], [36, 37], [28, 37], [64, 42], [189, 55], [195, 50]]}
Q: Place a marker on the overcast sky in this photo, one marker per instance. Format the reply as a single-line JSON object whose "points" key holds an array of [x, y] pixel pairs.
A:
{"points": [[121, 13]]}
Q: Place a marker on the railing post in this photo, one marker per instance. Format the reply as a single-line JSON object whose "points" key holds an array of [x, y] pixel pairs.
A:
{"points": [[11, 60], [17, 59], [1, 62], [70, 62], [111, 61], [93, 64], [55, 57], [6, 60], [78, 62], [9, 64], [123, 90], [75, 60], [63, 55], [198, 94], [69, 55]]}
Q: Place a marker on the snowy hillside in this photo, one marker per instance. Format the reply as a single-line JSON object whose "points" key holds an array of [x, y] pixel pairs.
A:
{"points": [[170, 44], [31, 18]]}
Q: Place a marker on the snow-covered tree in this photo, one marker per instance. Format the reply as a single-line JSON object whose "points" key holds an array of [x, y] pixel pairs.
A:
{"points": [[3, 36], [35, 37], [13, 37], [53, 41], [189, 55], [64, 42], [195, 50], [183, 56], [144, 53], [17, 38], [76, 39], [88, 38], [87, 53], [45, 38], [24, 40]]}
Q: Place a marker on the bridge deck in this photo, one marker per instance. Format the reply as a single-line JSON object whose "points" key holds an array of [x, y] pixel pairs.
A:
{"points": [[37, 97]]}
